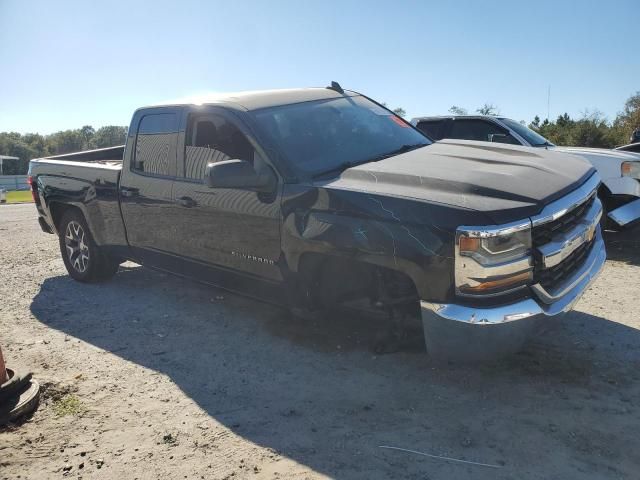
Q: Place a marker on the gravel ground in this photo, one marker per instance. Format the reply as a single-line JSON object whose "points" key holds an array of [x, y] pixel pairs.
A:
{"points": [[151, 376]]}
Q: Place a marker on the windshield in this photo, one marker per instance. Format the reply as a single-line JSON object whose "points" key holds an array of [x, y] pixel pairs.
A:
{"points": [[325, 135], [534, 139]]}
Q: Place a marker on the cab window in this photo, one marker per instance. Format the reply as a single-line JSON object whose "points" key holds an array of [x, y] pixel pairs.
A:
{"points": [[213, 139], [481, 130]]}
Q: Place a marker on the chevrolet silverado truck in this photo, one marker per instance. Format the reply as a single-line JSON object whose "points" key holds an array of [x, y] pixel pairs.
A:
{"points": [[316, 198], [619, 169]]}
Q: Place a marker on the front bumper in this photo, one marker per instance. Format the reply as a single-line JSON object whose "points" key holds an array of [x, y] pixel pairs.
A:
{"points": [[462, 332]]}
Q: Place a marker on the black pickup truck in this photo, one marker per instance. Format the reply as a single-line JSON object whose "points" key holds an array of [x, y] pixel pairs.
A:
{"points": [[319, 197]]}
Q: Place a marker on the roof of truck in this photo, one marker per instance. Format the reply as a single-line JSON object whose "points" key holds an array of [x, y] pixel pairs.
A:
{"points": [[439, 117], [254, 100]]}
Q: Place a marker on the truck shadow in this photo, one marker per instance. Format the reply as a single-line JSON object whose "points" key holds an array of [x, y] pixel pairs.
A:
{"points": [[322, 399]]}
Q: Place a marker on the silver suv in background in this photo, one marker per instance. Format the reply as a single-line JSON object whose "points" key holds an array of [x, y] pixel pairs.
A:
{"points": [[619, 169]]}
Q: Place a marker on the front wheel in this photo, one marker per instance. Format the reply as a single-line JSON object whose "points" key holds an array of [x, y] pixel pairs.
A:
{"points": [[85, 261]]}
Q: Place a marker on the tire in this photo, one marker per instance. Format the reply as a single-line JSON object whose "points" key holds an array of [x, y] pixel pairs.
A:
{"points": [[22, 403], [85, 261], [16, 381]]}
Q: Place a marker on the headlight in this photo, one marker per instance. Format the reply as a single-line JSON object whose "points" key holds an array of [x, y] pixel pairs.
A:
{"points": [[493, 261], [630, 169]]}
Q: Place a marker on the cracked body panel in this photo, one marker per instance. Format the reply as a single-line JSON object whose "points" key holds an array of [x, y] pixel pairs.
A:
{"points": [[416, 238]]}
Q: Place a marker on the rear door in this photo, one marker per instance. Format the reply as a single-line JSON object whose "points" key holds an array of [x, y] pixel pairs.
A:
{"points": [[232, 228], [146, 185]]}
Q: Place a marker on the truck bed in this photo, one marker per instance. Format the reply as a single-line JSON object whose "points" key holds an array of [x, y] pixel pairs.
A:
{"points": [[109, 156], [103, 164], [88, 181]]}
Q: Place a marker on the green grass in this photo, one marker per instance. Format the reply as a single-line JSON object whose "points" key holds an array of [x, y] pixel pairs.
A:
{"points": [[68, 405], [19, 196]]}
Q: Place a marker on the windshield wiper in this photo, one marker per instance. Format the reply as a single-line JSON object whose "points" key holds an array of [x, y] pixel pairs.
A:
{"points": [[544, 144], [402, 149]]}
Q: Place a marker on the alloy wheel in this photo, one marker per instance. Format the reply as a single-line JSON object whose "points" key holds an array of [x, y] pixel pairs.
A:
{"points": [[75, 241]]}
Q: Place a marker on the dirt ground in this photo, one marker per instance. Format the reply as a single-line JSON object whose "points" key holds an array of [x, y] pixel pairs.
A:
{"points": [[151, 377]]}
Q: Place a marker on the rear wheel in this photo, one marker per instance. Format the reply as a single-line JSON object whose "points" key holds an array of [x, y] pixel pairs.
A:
{"points": [[85, 261]]}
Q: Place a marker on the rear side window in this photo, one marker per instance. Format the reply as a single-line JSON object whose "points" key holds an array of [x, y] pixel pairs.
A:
{"points": [[156, 144], [473, 129], [432, 128]]}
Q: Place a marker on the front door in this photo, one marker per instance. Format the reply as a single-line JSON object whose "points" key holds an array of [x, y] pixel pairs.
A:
{"points": [[231, 228]]}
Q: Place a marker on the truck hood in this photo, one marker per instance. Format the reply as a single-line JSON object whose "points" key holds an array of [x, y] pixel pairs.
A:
{"points": [[505, 182], [604, 153]]}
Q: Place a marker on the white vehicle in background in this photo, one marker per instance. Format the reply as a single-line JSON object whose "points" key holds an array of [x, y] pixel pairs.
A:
{"points": [[3, 195], [619, 169]]}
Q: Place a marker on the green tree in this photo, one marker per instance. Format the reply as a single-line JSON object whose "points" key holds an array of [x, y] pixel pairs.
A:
{"points": [[628, 120], [488, 109], [536, 123], [109, 136], [399, 111], [455, 110], [33, 145], [590, 131], [66, 141], [86, 133]]}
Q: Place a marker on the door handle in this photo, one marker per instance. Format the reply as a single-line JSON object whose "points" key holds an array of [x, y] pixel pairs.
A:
{"points": [[128, 192], [187, 202]]}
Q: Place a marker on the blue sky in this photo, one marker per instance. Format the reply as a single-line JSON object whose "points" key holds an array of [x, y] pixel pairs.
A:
{"points": [[70, 63]]}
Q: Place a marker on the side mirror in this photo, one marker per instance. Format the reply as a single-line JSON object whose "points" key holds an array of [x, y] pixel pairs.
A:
{"points": [[498, 137], [239, 174]]}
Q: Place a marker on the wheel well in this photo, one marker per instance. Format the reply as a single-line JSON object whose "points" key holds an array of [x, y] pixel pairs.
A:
{"points": [[332, 280], [58, 210]]}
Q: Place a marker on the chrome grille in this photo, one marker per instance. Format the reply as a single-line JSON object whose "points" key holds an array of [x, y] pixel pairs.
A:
{"points": [[544, 233], [569, 235], [549, 278]]}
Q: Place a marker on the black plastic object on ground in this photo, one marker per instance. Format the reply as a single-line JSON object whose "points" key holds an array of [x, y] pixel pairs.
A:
{"points": [[19, 396]]}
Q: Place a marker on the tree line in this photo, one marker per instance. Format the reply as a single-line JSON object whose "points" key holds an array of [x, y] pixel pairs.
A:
{"points": [[592, 129], [33, 145]]}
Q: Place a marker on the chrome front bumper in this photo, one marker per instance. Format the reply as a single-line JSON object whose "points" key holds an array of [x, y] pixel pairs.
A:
{"points": [[464, 332]]}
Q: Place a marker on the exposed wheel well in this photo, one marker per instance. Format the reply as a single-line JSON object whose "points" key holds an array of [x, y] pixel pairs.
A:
{"points": [[328, 281]]}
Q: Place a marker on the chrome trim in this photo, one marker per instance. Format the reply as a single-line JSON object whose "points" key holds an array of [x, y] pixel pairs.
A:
{"points": [[627, 213], [492, 230], [563, 245], [574, 199], [523, 309], [470, 272], [597, 253], [475, 270]]}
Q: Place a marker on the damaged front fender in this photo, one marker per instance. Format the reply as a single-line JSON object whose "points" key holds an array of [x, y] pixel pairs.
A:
{"points": [[392, 232]]}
